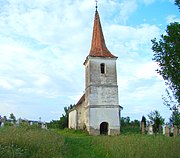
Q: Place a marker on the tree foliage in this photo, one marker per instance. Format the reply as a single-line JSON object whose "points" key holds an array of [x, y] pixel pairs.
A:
{"points": [[174, 107], [53, 124], [12, 117], [63, 121], [177, 2], [167, 55], [125, 121], [157, 120], [64, 118], [175, 117], [128, 126]]}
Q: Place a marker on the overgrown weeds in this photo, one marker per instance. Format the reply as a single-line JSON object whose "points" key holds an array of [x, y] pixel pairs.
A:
{"points": [[30, 143]]}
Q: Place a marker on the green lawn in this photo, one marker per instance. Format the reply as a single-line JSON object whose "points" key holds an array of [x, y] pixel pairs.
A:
{"points": [[37, 143]]}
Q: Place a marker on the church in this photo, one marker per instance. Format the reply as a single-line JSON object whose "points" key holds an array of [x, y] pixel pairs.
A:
{"points": [[98, 110]]}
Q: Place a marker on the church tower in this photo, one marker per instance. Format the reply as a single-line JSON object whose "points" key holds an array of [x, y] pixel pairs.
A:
{"points": [[101, 108]]}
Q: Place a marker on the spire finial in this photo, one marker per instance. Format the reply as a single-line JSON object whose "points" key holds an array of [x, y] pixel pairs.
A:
{"points": [[96, 4]]}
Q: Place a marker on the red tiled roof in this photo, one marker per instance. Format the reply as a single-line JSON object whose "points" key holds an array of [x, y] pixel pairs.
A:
{"points": [[98, 46]]}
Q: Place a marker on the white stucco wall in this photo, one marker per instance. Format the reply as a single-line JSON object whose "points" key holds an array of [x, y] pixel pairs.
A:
{"points": [[72, 122], [93, 71], [101, 89], [101, 95], [109, 115], [81, 116]]}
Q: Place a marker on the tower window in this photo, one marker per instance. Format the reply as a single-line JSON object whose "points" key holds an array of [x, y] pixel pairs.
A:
{"points": [[102, 68]]}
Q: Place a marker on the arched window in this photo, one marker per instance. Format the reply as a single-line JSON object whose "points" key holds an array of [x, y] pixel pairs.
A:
{"points": [[102, 68]]}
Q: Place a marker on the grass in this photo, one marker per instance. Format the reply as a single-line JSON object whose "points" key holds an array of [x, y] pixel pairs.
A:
{"points": [[37, 143], [123, 146], [30, 143], [79, 144], [137, 146]]}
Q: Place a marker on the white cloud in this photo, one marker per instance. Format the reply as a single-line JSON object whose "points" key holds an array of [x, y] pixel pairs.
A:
{"points": [[141, 32], [5, 84], [146, 70], [42, 80], [172, 18], [44, 43], [126, 9], [43, 20]]}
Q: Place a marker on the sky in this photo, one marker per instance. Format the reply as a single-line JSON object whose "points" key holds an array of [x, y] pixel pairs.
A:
{"points": [[44, 43]]}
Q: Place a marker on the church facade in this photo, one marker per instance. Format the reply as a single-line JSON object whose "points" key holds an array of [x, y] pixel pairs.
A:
{"points": [[98, 110]]}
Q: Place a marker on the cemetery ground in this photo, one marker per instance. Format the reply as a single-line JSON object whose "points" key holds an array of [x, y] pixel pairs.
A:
{"points": [[30, 142]]}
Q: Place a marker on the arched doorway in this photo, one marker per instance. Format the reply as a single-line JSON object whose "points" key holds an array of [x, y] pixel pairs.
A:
{"points": [[104, 128]]}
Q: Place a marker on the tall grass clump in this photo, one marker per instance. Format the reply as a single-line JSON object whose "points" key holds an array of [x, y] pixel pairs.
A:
{"points": [[80, 145], [137, 146], [27, 142]]}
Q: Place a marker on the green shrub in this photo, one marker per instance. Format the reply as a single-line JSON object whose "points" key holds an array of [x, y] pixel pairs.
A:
{"points": [[7, 124]]}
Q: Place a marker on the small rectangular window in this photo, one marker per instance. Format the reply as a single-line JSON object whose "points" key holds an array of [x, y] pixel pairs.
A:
{"points": [[102, 68]]}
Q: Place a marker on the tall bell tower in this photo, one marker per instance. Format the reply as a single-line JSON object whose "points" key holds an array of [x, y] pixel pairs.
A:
{"points": [[102, 109]]}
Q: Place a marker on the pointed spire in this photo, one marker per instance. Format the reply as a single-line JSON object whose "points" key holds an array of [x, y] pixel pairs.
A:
{"points": [[98, 46]]}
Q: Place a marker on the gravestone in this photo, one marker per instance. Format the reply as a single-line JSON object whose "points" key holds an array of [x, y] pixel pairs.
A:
{"points": [[150, 129], [175, 132], [0, 120], [164, 126], [2, 124], [143, 125], [172, 131], [160, 129], [167, 130], [142, 128]]}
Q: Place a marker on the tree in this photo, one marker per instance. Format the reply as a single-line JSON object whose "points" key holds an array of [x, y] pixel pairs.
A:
{"points": [[54, 124], [174, 107], [177, 2], [128, 126], [12, 117], [135, 123], [157, 120], [4, 119], [64, 118], [125, 121], [63, 121], [175, 117], [167, 55]]}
